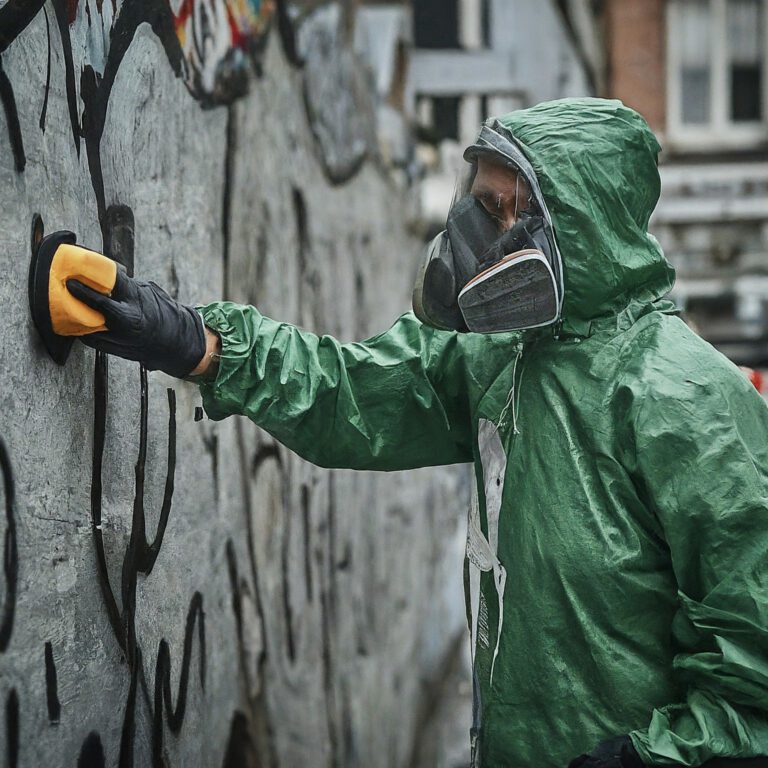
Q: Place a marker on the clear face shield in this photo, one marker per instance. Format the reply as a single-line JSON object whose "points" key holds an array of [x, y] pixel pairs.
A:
{"points": [[496, 266]]}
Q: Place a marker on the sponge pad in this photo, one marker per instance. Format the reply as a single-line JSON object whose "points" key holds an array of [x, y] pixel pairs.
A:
{"points": [[58, 316], [70, 317]]}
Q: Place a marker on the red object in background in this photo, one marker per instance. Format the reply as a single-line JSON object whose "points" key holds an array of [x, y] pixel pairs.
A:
{"points": [[756, 377]]}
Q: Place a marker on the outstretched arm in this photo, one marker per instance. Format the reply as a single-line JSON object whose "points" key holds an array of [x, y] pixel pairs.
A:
{"points": [[395, 401]]}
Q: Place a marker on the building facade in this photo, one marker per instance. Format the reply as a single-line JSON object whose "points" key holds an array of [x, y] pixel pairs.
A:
{"points": [[696, 69]]}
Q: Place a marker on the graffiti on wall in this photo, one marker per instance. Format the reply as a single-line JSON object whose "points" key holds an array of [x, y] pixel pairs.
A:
{"points": [[8, 607], [213, 46], [140, 557], [336, 93], [217, 40]]}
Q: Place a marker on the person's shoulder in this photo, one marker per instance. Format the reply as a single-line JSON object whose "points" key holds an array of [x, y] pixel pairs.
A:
{"points": [[669, 362]]}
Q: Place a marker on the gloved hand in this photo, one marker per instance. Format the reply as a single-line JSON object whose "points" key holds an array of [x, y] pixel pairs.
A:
{"points": [[614, 753], [144, 323]]}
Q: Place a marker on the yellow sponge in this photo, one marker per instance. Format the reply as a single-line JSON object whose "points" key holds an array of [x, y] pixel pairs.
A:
{"points": [[70, 317]]}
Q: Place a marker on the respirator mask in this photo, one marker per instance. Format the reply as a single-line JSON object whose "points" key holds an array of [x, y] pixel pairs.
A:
{"points": [[476, 277]]}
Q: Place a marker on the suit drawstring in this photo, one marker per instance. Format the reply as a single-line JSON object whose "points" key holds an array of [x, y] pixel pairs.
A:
{"points": [[513, 397]]}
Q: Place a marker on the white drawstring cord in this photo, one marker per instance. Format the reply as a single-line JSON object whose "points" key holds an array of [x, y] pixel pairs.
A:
{"points": [[511, 399]]}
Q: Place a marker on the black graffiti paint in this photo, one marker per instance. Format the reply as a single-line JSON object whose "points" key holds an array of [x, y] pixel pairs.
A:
{"points": [[7, 614], [327, 621], [15, 15], [92, 752], [12, 728], [141, 554], [140, 557], [238, 586], [95, 89], [290, 635], [12, 119], [361, 315], [37, 230], [240, 592], [119, 236], [241, 751], [226, 203], [211, 445], [62, 22], [44, 110], [51, 686], [265, 734], [309, 276], [265, 454], [287, 31], [100, 397], [10, 552], [305, 517], [129, 717], [163, 701]]}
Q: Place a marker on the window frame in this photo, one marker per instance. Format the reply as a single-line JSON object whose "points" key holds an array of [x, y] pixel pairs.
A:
{"points": [[720, 132]]}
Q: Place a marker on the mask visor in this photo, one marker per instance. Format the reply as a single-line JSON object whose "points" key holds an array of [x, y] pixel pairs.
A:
{"points": [[517, 293]]}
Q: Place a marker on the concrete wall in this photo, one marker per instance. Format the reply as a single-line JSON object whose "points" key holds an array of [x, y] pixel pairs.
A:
{"points": [[178, 592]]}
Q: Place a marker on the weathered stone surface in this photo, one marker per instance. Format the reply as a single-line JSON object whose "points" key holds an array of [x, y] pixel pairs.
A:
{"points": [[297, 614], [337, 93]]}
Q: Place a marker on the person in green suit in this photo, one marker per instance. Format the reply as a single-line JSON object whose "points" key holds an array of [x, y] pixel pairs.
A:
{"points": [[618, 544]]}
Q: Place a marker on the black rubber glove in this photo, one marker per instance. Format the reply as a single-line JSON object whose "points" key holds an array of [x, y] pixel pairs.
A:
{"points": [[145, 324], [614, 753]]}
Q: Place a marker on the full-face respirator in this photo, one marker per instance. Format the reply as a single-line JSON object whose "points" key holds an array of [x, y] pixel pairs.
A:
{"points": [[473, 277]]}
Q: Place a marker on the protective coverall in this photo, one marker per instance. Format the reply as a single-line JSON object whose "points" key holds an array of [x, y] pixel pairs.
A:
{"points": [[621, 538]]}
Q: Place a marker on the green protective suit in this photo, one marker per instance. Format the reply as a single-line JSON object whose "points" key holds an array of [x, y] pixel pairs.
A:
{"points": [[622, 524]]}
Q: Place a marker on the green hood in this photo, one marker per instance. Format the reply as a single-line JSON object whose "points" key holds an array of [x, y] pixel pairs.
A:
{"points": [[596, 164]]}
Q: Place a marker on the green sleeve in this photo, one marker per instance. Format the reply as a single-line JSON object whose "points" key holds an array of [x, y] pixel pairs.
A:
{"points": [[395, 401], [702, 448]]}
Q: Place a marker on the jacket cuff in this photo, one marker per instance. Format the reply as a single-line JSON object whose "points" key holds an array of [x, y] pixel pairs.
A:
{"points": [[237, 327]]}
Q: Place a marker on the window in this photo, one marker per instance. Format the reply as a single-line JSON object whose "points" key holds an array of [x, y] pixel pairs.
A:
{"points": [[745, 59], [436, 23], [445, 114], [485, 22], [452, 24], [717, 90], [438, 118], [695, 42]]}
